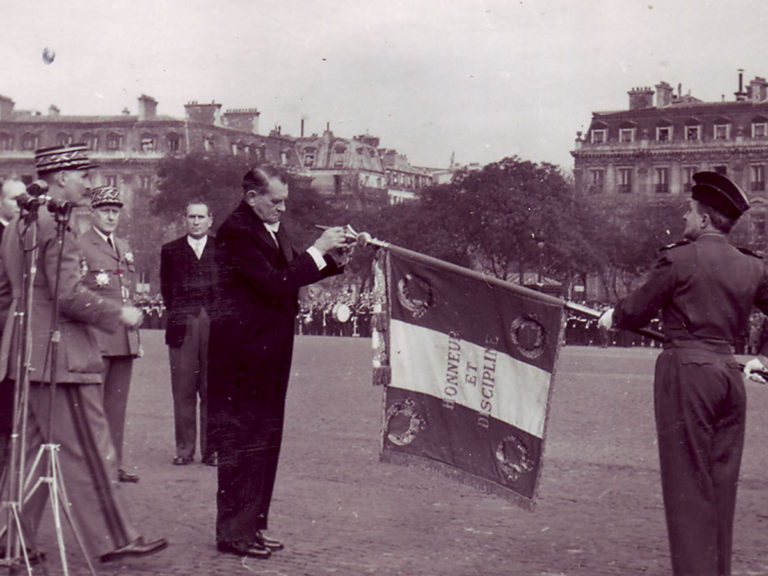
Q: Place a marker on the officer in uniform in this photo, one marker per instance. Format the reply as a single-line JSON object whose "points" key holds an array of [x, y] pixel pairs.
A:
{"points": [[705, 289], [109, 268]]}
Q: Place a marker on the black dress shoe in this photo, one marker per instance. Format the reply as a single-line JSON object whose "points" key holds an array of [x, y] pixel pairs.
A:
{"points": [[254, 550], [123, 476], [182, 460], [136, 548], [266, 542]]}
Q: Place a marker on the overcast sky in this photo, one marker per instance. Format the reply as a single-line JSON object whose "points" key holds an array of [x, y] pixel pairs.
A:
{"points": [[483, 79]]}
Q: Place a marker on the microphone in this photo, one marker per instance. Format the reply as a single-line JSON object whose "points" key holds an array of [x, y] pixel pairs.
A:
{"points": [[37, 188]]}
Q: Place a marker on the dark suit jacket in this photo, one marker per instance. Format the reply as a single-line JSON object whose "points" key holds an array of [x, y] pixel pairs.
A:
{"points": [[256, 304], [186, 283]]}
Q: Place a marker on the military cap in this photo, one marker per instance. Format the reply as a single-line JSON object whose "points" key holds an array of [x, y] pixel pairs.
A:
{"points": [[69, 157], [105, 196], [717, 191]]}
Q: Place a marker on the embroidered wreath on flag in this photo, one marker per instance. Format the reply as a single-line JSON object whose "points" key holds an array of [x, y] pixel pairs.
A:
{"points": [[415, 294], [528, 336], [397, 432], [513, 458]]}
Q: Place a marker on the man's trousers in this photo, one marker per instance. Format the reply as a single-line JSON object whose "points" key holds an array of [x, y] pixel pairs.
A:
{"points": [[117, 383], [189, 380], [700, 404]]}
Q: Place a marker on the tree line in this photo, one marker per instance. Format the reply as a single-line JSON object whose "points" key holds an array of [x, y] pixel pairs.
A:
{"points": [[507, 219]]}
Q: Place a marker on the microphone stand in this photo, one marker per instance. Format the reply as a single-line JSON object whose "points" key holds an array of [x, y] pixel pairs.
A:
{"points": [[48, 453]]}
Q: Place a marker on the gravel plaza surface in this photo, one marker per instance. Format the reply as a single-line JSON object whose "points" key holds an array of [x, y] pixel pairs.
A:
{"points": [[341, 512]]}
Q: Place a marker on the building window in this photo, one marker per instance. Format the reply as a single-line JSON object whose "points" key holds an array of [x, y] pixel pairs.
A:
{"points": [[759, 130], [758, 177], [91, 140], [145, 181], [174, 142], [234, 149], [625, 180], [722, 131], [339, 152], [693, 132], [688, 172], [597, 180], [309, 159], [6, 142], [64, 139], [29, 142], [114, 142], [661, 180], [209, 144], [663, 133], [148, 143], [110, 180], [627, 135], [599, 136], [721, 170]]}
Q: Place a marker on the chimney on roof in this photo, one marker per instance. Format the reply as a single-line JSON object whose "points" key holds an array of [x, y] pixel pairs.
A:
{"points": [[640, 98], [758, 89], [6, 108], [663, 94], [208, 114], [741, 95], [147, 107], [243, 119]]}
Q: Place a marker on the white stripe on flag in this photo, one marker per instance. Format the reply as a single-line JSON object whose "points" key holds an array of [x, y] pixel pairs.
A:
{"points": [[481, 379]]}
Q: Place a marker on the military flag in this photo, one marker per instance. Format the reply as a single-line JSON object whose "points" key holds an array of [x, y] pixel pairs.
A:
{"points": [[470, 362]]}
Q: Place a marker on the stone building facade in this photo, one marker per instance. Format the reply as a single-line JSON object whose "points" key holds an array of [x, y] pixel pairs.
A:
{"points": [[652, 149]]}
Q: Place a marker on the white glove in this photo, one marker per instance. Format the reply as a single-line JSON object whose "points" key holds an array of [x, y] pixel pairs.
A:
{"points": [[752, 367], [606, 320]]}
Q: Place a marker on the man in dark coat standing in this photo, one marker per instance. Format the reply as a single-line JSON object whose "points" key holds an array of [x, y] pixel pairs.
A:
{"points": [[187, 279], [705, 289], [260, 273]]}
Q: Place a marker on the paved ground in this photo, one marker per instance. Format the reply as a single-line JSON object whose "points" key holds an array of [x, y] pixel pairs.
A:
{"points": [[343, 513]]}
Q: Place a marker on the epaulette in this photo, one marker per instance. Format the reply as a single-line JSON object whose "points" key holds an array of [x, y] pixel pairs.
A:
{"points": [[674, 245], [749, 252]]}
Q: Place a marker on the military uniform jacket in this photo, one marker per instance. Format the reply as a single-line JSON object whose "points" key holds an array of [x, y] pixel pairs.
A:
{"points": [[80, 308], [111, 273], [705, 290]]}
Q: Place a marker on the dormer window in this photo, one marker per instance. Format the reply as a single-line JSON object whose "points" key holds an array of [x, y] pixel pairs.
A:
{"points": [[114, 142], [309, 157], [722, 130], [664, 133], [693, 132], [627, 135], [759, 129], [599, 136]]}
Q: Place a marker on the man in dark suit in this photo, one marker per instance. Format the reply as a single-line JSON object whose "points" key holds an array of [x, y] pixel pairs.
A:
{"points": [[705, 289], [110, 272], [187, 278], [87, 456], [260, 273]]}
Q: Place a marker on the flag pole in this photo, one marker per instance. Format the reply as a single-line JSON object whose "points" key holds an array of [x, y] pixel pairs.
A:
{"points": [[363, 239]]}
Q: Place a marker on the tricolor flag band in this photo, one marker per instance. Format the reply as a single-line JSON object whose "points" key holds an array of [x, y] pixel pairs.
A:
{"points": [[471, 361]]}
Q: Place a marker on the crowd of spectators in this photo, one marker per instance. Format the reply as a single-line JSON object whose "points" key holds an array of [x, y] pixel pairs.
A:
{"points": [[347, 314]]}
